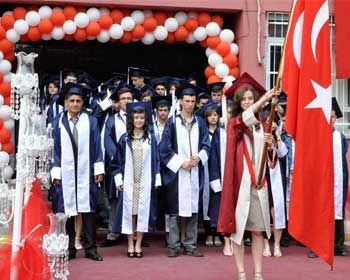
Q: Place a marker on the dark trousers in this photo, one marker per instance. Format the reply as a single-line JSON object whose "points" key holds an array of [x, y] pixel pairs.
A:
{"points": [[339, 236], [89, 232], [209, 230]]}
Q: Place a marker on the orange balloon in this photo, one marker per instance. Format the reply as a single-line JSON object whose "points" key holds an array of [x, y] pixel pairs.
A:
{"points": [[5, 46], [105, 21], [7, 101], [10, 56], [209, 71], [160, 18], [1, 77], [34, 34], [213, 79], [1, 123], [181, 33], [213, 41], [170, 39], [19, 13], [80, 35], [204, 43], [191, 24], [2, 32], [235, 72], [150, 24], [127, 37], [45, 26], [230, 60], [223, 48], [5, 135], [138, 32], [93, 29], [7, 21], [8, 148], [58, 18], [116, 15], [5, 89], [218, 19], [69, 12], [203, 19], [81, 9]]}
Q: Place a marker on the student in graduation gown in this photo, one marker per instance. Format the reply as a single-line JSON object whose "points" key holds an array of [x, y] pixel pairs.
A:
{"points": [[77, 167], [184, 149], [215, 91], [114, 129], [243, 206], [136, 175]]}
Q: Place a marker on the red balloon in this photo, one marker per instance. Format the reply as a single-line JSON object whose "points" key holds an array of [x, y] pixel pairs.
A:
{"points": [[2, 32], [204, 19], [10, 56], [150, 24], [24, 38], [170, 39], [81, 9], [230, 60], [5, 46], [7, 101], [1, 77], [68, 37], [204, 43], [33, 8], [7, 21], [191, 24], [5, 135], [223, 48], [213, 79], [58, 18], [69, 12], [8, 148], [105, 21], [34, 34], [80, 35], [213, 41], [218, 19], [127, 37], [181, 33], [5, 89], [138, 32], [126, 12], [209, 71], [116, 15], [93, 29], [1, 123], [19, 13], [45, 26], [160, 18], [235, 72]]}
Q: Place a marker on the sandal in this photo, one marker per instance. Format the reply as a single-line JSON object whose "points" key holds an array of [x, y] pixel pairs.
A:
{"points": [[139, 254], [130, 254], [242, 276], [258, 276]]}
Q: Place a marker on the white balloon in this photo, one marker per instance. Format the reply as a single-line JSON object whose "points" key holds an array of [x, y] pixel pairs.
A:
{"points": [[45, 12], [9, 124], [104, 36], [138, 16], [21, 26], [229, 78], [209, 51], [1, 56], [181, 17], [46, 37], [5, 112], [93, 14], [190, 39], [69, 27], [148, 13], [7, 78], [128, 23], [227, 35], [32, 18], [200, 33], [161, 33], [116, 31], [5, 66], [171, 24], [57, 9], [57, 33], [104, 11], [234, 48], [10, 13], [4, 158], [7, 172], [1, 100], [12, 35], [213, 29], [214, 59], [192, 14], [222, 70], [148, 39], [81, 20]]}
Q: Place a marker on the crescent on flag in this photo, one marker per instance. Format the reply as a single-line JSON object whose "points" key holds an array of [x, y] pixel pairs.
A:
{"points": [[320, 20], [297, 38]]}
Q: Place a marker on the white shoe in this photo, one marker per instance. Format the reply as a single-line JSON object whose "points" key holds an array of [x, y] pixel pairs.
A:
{"points": [[242, 276], [267, 252], [78, 245], [258, 276], [277, 252], [209, 241]]}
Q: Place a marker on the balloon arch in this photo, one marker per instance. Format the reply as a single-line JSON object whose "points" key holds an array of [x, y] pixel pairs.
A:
{"points": [[108, 25]]}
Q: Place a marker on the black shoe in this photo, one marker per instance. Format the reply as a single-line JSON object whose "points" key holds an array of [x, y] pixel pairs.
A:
{"points": [[71, 256], [193, 252], [343, 253], [247, 242], [109, 243], [93, 256], [173, 253], [138, 254], [131, 254], [312, 255]]}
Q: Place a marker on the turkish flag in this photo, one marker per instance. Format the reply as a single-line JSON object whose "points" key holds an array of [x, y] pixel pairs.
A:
{"points": [[306, 78]]}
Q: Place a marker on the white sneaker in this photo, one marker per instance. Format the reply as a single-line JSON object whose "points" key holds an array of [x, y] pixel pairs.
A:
{"points": [[277, 252], [78, 245], [267, 252]]}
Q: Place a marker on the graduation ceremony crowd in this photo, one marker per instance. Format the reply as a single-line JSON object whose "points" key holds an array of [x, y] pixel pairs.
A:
{"points": [[173, 157]]}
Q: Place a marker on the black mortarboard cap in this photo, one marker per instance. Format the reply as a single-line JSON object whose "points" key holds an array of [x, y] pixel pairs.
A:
{"points": [[203, 95], [137, 72], [159, 81], [159, 100], [336, 108], [72, 89], [187, 89], [122, 88], [216, 87], [209, 105], [87, 79], [146, 106]]}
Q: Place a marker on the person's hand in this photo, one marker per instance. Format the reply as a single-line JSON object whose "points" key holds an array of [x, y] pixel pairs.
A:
{"points": [[56, 182], [195, 160], [270, 94], [268, 138], [120, 188], [98, 178], [187, 165]]}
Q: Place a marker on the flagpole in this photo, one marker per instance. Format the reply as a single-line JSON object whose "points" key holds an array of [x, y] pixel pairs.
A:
{"points": [[276, 88]]}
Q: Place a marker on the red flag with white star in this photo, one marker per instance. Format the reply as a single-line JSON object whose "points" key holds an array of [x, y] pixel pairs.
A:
{"points": [[306, 79]]}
